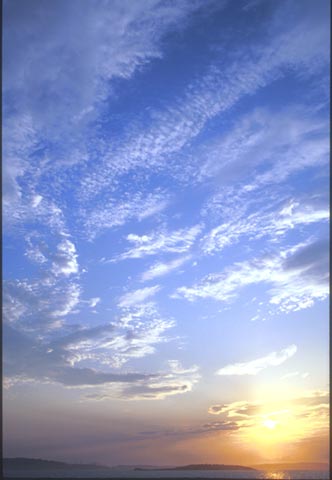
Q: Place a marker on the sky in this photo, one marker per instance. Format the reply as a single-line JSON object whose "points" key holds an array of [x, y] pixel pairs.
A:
{"points": [[166, 230]]}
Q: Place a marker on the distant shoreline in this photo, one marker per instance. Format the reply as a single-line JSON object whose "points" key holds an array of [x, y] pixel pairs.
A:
{"points": [[130, 478]]}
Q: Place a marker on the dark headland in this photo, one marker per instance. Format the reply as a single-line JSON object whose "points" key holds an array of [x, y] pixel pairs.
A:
{"points": [[20, 468], [200, 466]]}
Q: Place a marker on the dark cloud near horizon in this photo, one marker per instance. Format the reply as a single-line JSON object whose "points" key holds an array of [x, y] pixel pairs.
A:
{"points": [[206, 428], [27, 358], [312, 260]]}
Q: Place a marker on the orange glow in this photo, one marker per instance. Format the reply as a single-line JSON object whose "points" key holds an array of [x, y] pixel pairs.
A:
{"points": [[273, 428]]}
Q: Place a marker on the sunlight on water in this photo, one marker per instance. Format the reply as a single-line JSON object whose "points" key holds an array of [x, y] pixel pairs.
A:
{"points": [[277, 475]]}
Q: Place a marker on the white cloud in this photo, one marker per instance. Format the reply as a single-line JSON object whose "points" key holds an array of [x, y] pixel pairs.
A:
{"points": [[274, 224], [137, 296], [134, 335], [114, 38], [47, 125], [93, 302], [138, 330], [40, 305], [83, 356], [115, 213], [215, 92], [284, 142], [178, 241], [36, 200], [160, 269], [19, 138], [298, 277], [255, 366], [67, 300], [65, 260]]}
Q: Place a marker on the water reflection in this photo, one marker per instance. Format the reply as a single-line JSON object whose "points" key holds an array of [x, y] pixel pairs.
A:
{"points": [[276, 475]]}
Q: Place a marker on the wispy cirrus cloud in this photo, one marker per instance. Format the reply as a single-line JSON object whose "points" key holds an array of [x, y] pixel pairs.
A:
{"points": [[134, 335], [43, 302], [177, 241], [140, 329], [115, 213], [272, 223], [284, 142], [297, 277], [159, 269], [137, 296], [57, 362], [113, 52], [173, 381], [253, 367], [118, 40], [214, 93], [38, 306]]}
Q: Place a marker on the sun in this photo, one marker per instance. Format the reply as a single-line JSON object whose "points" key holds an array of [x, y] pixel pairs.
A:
{"points": [[270, 423]]}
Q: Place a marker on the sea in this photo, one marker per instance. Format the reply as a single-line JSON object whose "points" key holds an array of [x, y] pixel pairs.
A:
{"points": [[228, 474], [189, 474]]}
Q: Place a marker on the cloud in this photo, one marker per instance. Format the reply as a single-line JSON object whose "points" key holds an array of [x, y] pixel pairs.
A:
{"points": [[47, 131], [255, 366], [274, 223], [93, 302], [160, 269], [56, 362], [291, 288], [39, 305], [311, 258], [19, 140], [41, 310], [178, 241], [52, 362], [66, 300], [218, 90], [236, 409], [302, 420], [308, 414], [139, 329], [54, 264], [115, 213], [117, 42], [203, 429], [133, 335], [65, 260], [82, 336], [137, 296], [295, 374], [177, 380], [68, 162], [87, 377], [37, 251], [115, 39], [306, 277], [284, 142]]}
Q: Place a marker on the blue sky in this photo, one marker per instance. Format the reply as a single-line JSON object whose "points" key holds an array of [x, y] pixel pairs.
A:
{"points": [[165, 218]]}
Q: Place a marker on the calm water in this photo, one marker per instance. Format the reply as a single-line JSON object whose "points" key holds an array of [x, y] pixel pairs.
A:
{"points": [[225, 474]]}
